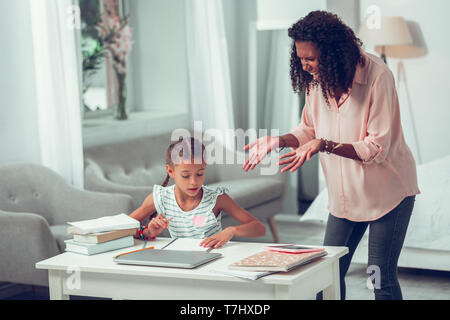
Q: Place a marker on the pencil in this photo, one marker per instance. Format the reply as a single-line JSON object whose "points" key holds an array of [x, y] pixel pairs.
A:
{"points": [[122, 254], [173, 240]]}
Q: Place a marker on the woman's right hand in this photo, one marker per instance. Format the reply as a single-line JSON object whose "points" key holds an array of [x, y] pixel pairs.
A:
{"points": [[259, 149], [157, 225]]}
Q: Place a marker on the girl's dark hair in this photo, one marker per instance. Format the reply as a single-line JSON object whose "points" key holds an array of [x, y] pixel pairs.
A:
{"points": [[181, 150], [339, 53]]}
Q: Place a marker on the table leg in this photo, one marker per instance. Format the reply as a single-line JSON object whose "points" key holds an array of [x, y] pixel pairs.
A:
{"points": [[333, 292], [273, 229], [281, 292], [55, 283]]}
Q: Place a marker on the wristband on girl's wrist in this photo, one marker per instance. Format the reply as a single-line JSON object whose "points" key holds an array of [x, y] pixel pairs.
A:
{"points": [[142, 235]]}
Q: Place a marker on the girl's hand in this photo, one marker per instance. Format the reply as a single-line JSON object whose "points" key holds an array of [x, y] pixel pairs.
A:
{"points": [[219, 239], [157, 225], [297, 157], [258, 150]]}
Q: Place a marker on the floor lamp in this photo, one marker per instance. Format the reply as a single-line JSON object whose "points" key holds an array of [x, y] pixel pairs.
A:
{"points": [[387, 32]]}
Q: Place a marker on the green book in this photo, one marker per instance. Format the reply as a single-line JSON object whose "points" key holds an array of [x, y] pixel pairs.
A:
{"points": [[94, 248]]}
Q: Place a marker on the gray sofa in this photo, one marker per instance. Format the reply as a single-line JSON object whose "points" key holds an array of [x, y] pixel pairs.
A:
{"points": [[134, 166], [35, 206]]}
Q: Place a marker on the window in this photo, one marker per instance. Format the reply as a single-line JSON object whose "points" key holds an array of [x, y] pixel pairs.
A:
{"points": [[99, 82]]}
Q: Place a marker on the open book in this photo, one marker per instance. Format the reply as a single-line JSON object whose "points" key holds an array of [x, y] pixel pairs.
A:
{"points": [[274, 261], [188, 244]]}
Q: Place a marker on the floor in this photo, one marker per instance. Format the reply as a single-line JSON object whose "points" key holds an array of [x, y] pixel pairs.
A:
{"points": [[416, 284]]}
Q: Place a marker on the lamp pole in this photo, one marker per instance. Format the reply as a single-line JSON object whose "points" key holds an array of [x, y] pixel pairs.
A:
{"points": [[383, 54]]}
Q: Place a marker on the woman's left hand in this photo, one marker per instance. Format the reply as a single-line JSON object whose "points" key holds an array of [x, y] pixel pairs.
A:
{"points": [[219, 239], [297, 157]]}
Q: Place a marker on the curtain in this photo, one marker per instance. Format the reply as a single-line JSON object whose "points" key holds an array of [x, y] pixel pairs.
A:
{"points": [[208, 67], [281, 105], [58, 72]]}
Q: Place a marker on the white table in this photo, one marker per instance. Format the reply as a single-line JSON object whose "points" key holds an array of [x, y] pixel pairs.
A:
{"points": [[98, 276]]}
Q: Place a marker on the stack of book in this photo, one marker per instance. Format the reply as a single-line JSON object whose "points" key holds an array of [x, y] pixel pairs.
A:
{"points": [[101, 235]]}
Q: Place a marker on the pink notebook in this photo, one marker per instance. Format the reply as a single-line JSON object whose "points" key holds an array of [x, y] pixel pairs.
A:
{"points": [[274, 261]]}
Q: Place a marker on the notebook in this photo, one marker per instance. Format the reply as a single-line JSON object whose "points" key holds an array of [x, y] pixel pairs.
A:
{"points": [[249, 275], [94, 248], [293, 248], [275, 261], [167, 258]]}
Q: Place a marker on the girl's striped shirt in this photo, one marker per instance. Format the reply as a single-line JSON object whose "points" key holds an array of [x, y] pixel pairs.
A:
{"points": [[199, 222]]}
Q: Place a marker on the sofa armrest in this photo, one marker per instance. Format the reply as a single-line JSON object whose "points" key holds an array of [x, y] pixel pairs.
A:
{"points": [[25, 239], [72, 204]]}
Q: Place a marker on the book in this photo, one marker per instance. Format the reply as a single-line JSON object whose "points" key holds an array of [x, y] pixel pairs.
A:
{"points": [[101, 237], [293, 248], [95, 248], [275, 261], [108, 223], [190, 244]]}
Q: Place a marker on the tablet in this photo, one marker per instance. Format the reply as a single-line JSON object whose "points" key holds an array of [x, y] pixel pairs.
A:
{"points": [[167, 258]]}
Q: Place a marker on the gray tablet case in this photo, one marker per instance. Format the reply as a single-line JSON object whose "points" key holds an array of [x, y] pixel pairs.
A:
{"points": [[167, 258]]}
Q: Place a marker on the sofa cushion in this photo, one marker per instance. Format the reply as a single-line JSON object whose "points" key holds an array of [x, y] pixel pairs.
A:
{"points": [[138, 162], [138, 176], [251, 192]]}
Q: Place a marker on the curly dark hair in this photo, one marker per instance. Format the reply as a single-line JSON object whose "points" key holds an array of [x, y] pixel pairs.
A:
{"points": [[339, 53]]}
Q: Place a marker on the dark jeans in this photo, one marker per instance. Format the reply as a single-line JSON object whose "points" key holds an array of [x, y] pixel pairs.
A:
{"points": [[386, 237]]}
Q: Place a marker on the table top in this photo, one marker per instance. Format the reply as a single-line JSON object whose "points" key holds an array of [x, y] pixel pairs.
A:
{"points": [[232, 251]]}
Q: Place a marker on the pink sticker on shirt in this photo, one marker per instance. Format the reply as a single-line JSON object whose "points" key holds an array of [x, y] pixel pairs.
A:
{"points": [[199, 221]]}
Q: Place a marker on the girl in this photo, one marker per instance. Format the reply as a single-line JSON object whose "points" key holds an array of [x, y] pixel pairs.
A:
{"points": [[189, 209]]}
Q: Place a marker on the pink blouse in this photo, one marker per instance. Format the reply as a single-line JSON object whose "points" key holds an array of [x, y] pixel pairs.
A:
{"points": [[368, 117]]}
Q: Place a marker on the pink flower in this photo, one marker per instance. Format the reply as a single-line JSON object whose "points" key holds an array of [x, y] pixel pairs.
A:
{"points": [[117, 37]]}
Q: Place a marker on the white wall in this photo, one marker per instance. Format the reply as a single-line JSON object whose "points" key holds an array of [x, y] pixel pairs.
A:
{"points": [[347, 10], [159, 55], [427, 77], [286, 10], [19, 140]]}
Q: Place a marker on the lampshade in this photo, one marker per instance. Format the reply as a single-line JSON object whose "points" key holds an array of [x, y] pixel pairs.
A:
{"points": [[416, 49], [388, 31]]}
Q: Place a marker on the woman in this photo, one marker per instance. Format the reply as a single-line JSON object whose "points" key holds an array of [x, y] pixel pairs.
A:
{"points": [[352, 118]]}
